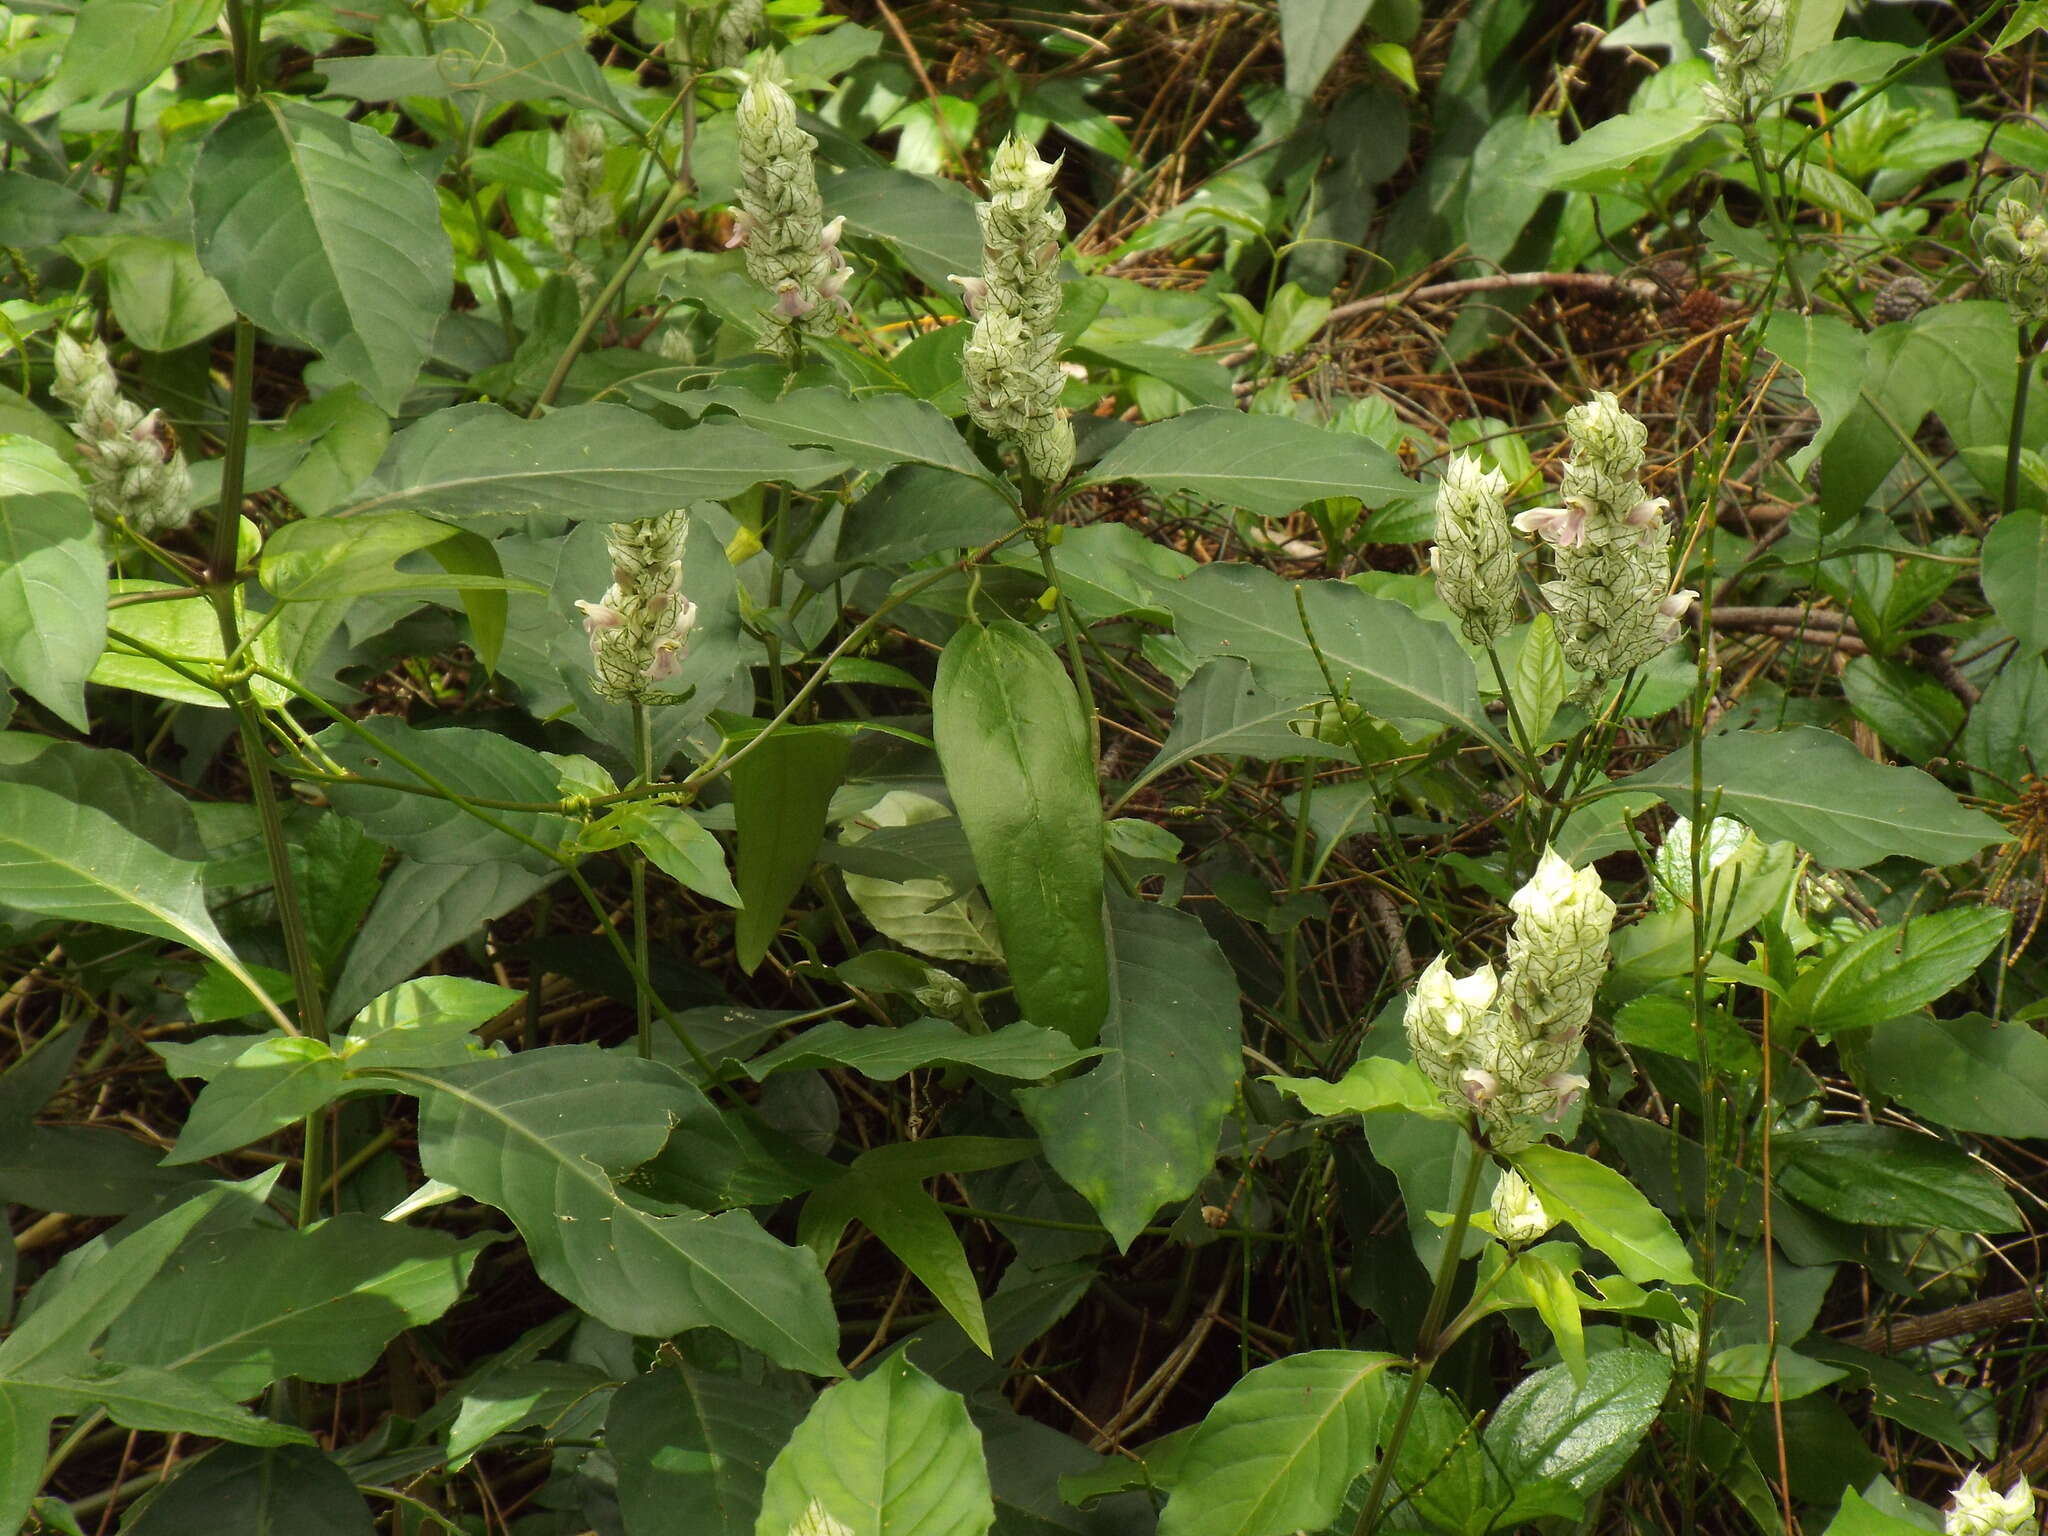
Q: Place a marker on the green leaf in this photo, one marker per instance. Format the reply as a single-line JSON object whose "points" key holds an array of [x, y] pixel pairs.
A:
{"points": [[160, 294], [270, 1085], [891, 1454], [1756, 1373], [469, 762], [1894, 970], [1969, 1073], [318, 558], [1222, 712], [677, 845], [1883, 1176], [1609, 1212], [1547, 1285], [1017, 1050], [53, 579], [293, 1488], [608, 463], [420, 910], [781, 791], [1594, 160], [1015, 750], [236, 1310], [693, 1446], [188, 630], [1269, 465], [1394, 664], [320, 231], [1277, 1453], [1551, 1428], [1539, 683], [1313, 35], [504, 52], [541, 1136], [428, 1021], [1140, 1128], [1813, 788], [2015, 576], [1374, 1082], [872, 432], [896, 1208], [71, 861], [1828, 355], [1857, 1516], [119, 46], [925, 222], [1912, 713]]}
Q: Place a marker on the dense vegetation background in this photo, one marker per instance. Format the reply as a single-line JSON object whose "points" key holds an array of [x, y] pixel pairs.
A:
{"points": [[625, 907]]}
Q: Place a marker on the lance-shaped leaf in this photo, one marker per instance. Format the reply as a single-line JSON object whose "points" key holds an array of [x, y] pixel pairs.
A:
{"points": [[604, 462], [53, 579], [1015, 750], [1269, 465], [319, 230]]}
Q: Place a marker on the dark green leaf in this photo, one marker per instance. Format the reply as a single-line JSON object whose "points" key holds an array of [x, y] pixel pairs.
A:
{"points": [[1882, 1176], [1580, 1434], [781, 791], [270, 1085], [291, 1490], [693, 1446], [2015, 577], [1269, 465], [53, 579], [1894, 970], [1970, 1073], [1018, 1050]]}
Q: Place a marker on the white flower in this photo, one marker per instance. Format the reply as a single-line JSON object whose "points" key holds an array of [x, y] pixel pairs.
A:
{"points": [[1980, 1510], [1563, 526], [1518, 1216]]}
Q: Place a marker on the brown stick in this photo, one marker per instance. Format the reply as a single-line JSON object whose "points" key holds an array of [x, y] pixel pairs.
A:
{"points": [[1968, 1317]]}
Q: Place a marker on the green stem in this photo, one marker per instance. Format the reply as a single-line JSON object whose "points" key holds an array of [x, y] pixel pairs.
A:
{"points": [[643, 753], [1069, 628], [2015, 441], [1781, 230], [664, 211], [1430, 1338], [775, 515], [1297, 863]]}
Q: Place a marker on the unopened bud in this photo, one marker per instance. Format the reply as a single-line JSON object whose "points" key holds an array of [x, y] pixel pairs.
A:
{"points": [[1518, 1216], [1979, 1509], [1473, 559]]}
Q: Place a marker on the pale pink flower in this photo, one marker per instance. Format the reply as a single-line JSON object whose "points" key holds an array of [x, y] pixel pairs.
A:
{"points": [[1563, 526]]}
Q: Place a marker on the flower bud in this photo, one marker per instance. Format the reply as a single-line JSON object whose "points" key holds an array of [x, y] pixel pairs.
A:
{"points": [[134, 471], [1557, 952], [1607, 454], [732, 33], [781, 220], [1442, 1014], [1980, 1510], [583, 209], [2012, 243], [1518, 1216], [1473, 560], [640, 629], [1747, 43], [943, 995], [1011, 365]]}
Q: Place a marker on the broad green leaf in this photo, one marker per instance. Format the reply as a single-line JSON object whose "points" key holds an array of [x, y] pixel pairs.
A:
{"points": [[1883, 1176], [1609, 1212], [428, 1021], [187, 629], [53, 579], [1394, 664], [1374, 1082], [294, 1488], [2006, 734], [1015, 750], [890, 1454], [420, 910], [1017, 1050], [1969, 1073], [1857, 1516], [1812, 788], [894, 1206], [468, 762], [871, 432], [86, 1170], [781, 791], [108, 780], [162, 297], [1580, 1434], [909, 901], [1539, 683], [926, 222], [608, 463], [1269, 465], [1277, 1453], [541, 1136], [1828, 355], [71, 861], [531, 1394], [1139, 1129], [1222, 712], [1894, 970], [677, 845], [270, 1085], [236, 1310], [2015, 576], [1547, 1285], [1911, 713], [693, 1446], [1313, 35], [1756, 1373], [119, 46], [318, 558], [142, 1397], [347, 435], [319, 230]]}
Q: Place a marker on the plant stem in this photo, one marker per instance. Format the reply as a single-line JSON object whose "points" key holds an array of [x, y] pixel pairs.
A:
{"points": [[2015, 441], [1297, 863], [1781, 231], [670, 201], [1429, 1338], [1076, 657], [643, 753]]}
